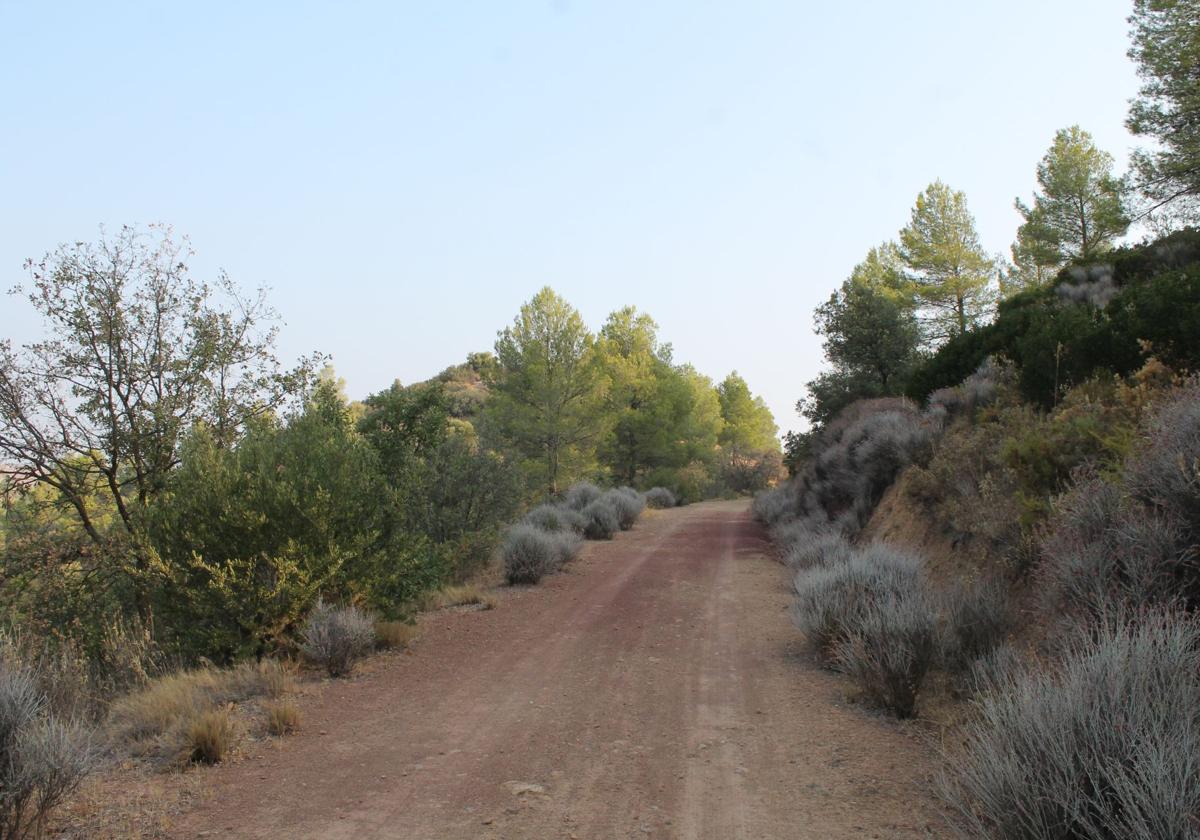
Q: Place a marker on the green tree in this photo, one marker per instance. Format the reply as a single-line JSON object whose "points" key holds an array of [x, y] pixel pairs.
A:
{"points": [[136, 353], [1166, 49], [949, 271], [643, 400], [1079, 209], [748, 424], [547, 398]]}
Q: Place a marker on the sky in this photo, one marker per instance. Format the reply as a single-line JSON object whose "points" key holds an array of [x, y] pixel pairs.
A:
{"points": [[403, 175]]}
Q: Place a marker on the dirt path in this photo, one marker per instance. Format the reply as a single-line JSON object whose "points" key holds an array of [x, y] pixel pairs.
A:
{"points": [[654, 690]]}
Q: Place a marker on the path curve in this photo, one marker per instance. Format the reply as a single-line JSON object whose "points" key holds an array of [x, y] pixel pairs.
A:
{"points": [[656, 689]]}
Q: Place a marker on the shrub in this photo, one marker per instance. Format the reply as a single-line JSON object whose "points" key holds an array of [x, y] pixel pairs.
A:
{"points": [[580, 495], [335, 637], [602, 520], [889, 650], [628, 505], [817, 548], [660, 497], [42, 758], [1106, 747], [210, 736], [556, 518], [977, 619], [283, 717], [530, 553], [833, 601]]}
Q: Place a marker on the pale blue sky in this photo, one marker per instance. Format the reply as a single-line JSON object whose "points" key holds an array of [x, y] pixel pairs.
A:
{"points": [[403, 175]]}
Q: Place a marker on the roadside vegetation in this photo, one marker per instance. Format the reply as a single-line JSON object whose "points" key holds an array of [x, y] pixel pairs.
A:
{"points": [[1036, 444], [187, 520]]}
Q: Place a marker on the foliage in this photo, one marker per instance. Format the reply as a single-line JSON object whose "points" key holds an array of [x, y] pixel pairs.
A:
{"points": [[602, 520], [136, 354], [1056, 342], [249, 537], [1166, 49], [627, 503], [948, 269], [1079, 210], [530, 553], [1129, 543], [748, 426], [890, 650], [43, 758], [871, 337], [1104, 747], [660, 497], [549, 388], [978, 617], [335, 637]]}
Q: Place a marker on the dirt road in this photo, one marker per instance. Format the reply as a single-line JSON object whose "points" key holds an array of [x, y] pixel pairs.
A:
{"points": [[656, 689]]}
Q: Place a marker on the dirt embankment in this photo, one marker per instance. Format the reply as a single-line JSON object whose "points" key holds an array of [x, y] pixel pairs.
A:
{"points": [[657, 689]]}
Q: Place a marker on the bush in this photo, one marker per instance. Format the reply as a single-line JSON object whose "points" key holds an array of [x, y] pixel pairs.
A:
{"points": [[335, 637], [890, 649], [556, 518], [1104, 748], [833, 601], [977, 619], [817, 549], [627, 503], [42, 758], [210, 737], [660, 497], [530, 553], [1118, 545], [602, 520], [580, 495]]}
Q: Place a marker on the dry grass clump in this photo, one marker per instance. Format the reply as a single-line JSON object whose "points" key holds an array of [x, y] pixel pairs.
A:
{"points": [[210, 736], [283, 717], [336, 637], [394, 635], [455, 596], [156, 721]]}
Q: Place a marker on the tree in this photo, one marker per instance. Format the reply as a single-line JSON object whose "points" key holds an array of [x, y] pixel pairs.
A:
{"points": [[549, 388], [1079, 210], [1166, 49], [137, 353], [949, 271], [748, 423], [867, 331]]}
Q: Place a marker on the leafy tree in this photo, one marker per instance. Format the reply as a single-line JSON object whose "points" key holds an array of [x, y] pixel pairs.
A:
{"points": [[247, 537], [645, 402], [748, 423], [549, 389], [949, 270], [403, 423], [137, 353], [1166, 49], [1079, 210]]}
